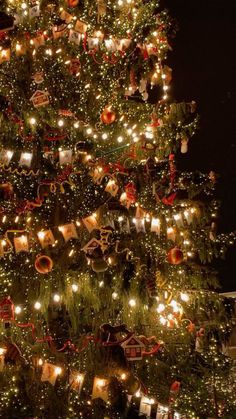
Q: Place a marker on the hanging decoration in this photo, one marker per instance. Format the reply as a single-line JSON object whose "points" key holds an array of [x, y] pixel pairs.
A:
{"points": [[43, 264], [175, 256]]}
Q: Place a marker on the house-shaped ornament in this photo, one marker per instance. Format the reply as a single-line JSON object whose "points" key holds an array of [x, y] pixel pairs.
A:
{"points": [[133, 348], [40, 98], [91, 246]]}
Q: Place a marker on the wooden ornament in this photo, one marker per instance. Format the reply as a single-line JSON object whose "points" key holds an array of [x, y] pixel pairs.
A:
{"points": [[40, 98], [43, 264], [108, 116], [133, 348], [6, 310], [175, 256]]}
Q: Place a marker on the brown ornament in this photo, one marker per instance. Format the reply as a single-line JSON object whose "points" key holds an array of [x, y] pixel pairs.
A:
{"points": [[6, 191], [43, 264], [108, 116], [99, 265], [175, 256]]}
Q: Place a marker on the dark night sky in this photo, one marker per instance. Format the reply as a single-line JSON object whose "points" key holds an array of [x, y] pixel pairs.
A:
{"points": [[204, 69]]}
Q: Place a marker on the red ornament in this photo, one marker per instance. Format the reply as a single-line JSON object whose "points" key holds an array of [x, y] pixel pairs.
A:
{"points": [[108, 116], [191, 327], [43, 264], [175, 256], [7, 310], [72, 3], [74, 67], [175, 387]]}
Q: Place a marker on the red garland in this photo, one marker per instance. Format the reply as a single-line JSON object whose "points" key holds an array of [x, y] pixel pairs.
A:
{"points": [[91, 338]]}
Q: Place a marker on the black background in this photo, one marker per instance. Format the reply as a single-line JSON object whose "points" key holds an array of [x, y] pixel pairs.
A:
{"points": [[204, 70]]}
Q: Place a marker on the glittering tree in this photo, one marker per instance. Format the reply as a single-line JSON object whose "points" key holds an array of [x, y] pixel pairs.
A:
{"points": [[106, 294]]}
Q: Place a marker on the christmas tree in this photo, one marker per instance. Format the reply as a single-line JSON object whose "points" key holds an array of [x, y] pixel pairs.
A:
{"points": [[108, 302]]}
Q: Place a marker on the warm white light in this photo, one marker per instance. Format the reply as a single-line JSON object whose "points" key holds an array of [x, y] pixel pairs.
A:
{"points": [[32, 121], [114, 295], [101, 383], [58, 370], [9, 154], [74, 287], [160, 308], [163, 320], [60, 123], [174, 304], [132, 302], [104, 136], [79, 378], [37, 305], [56, 298], [41, 235], [18, 309], [123, 376], [2, 351], [184, 297]]}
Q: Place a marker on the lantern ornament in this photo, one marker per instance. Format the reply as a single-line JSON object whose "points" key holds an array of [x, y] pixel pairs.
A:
{"points": [[7, 310], [108, 116], [175, 256], [43, 264]]}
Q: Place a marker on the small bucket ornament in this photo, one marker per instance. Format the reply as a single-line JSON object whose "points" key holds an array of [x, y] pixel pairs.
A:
{"points": [[43, 264]]}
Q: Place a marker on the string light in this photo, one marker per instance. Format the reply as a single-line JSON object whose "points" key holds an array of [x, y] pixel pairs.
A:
{"points": [[56, 298], [37, 305]]}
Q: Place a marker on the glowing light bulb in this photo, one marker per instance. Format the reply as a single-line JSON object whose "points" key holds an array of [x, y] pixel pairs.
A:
{"points": [[58, 370], [56, 298], [184, 297], [18, 309], [114, 295], [40, 362], [37, 305], [32, 121], [160, 308], [60, 123], [132, 303], [123, 376], [74, 287]]}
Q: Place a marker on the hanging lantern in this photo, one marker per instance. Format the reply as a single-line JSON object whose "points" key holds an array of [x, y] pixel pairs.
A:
{"points": [[43, 264], [6, 310], [108, 116], [175, 256]]}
